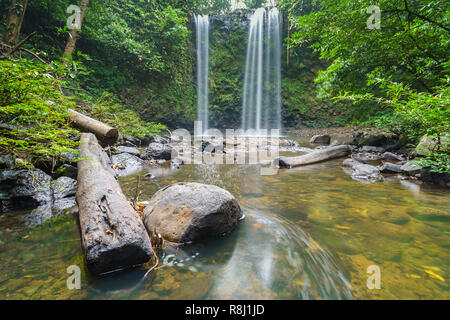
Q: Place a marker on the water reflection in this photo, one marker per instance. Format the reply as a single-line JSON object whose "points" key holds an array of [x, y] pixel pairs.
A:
{"points": [[309, 233]]}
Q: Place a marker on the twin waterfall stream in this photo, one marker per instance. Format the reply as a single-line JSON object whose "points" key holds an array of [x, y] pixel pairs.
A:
{"points": [[261, 96]]}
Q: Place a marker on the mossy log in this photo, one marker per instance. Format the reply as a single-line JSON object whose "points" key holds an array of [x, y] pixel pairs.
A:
{"points": [[313, 157], [106, 134], [113, 235]]}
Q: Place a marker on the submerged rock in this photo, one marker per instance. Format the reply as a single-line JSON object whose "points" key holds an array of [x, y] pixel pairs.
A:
{"points": [[126, 164], [188, 212], [157, 151], [320, 139]]}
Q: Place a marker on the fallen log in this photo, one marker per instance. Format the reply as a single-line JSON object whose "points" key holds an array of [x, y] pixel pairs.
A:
{"points": [[113, 235], [313, 157], [105, 134]]}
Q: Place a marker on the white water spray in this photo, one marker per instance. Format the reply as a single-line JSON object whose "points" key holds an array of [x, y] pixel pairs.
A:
{"points": [[202, 28], [261, 107]]}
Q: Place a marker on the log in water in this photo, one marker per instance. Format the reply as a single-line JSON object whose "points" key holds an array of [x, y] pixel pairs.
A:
{"points": [[113, 235], [313, 157]]}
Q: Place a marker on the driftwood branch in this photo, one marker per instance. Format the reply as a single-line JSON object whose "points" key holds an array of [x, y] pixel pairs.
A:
{"points": [[313, 157]]}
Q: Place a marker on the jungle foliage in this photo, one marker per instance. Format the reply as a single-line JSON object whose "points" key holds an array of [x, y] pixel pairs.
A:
{"points": [[401, 67]]}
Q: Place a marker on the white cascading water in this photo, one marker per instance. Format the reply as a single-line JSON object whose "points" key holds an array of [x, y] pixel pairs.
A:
{"points": [[261, 107], [202, 26]]}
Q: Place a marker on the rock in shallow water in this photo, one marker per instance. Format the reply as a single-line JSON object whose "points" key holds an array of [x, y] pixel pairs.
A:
{"points": [[24, 189], [320, 139], [124, 149], [126, 164], [188, 212], [157, 151]]}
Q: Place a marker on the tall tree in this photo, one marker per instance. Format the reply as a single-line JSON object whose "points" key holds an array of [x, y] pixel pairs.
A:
{"points": [[72, 41], [14, 21]]}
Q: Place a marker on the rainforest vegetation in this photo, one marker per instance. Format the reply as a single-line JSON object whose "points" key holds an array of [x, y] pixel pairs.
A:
{"points": [[132, 65]]}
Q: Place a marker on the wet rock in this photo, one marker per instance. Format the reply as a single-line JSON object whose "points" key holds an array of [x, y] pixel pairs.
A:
{"points": [[410, 169], [176, 163], [64, 190], [372, 149], [367, 156], [376, 140], [130, 150], [436, 178], [130, 141], [388, 167], [69, 157], [320, 139], [64, 187], [211, 148], [126, 164], [66, 170], [23, 189], [157, 151], [161, 140], [392, 156], [7, 161], [350, 163], [188, 212], [366, 173], [289, 144]]}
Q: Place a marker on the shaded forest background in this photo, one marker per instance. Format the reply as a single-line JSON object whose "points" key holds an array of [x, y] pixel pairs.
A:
{"points": [[134, 66]]}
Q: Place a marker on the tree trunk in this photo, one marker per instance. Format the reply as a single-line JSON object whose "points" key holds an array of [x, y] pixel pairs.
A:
{"points": [[106, 134], [71, 43], [14, 21], [313, 157], [112, 233]]}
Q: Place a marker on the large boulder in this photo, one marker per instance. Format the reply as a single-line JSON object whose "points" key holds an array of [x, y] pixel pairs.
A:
{"points": [[188, 212], [375, 140], [428, 144], [321, 139], [157, 151]]}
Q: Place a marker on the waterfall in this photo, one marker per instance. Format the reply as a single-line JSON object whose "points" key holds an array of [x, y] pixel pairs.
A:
{"points": [[202, 28], [261, 106]]}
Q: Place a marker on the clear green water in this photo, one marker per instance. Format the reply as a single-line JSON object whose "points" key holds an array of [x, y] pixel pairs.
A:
{"points": [[309, 233]]}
